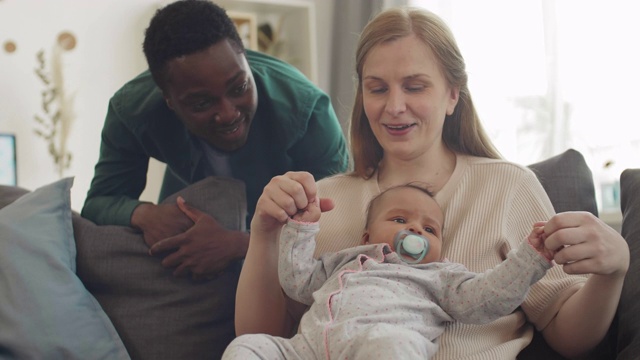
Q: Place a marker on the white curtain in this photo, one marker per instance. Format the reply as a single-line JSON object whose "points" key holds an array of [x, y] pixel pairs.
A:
{"points": [[550, 75]]}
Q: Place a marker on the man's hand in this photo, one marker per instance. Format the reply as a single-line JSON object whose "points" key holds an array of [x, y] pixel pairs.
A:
{"points": [[203, 250], [159, 222]]}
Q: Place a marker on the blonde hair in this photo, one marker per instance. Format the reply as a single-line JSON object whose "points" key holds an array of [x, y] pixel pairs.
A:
{"points": [[462, 131]]}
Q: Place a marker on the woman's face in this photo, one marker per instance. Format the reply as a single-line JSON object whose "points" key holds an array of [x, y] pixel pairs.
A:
{"points": [[406, 97]]}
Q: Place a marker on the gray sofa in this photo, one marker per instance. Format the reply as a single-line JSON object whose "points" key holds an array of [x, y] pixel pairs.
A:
{"points": [[156, 315], [145, 312]]}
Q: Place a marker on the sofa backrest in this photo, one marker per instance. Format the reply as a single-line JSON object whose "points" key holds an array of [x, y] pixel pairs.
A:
{"points": [[568, 181]]}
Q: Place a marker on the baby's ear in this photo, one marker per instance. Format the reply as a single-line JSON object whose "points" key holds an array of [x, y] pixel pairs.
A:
{"points": [[365, 239]]}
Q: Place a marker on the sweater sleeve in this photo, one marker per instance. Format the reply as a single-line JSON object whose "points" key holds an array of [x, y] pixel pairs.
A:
{"points": [[479, 298]]}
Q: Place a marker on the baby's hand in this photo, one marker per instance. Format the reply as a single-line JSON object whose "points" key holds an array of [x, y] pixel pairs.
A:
{"points": [[536, 240], [309, 214]]}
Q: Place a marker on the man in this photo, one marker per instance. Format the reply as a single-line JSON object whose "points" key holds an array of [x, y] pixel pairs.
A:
{"points": [[206, 106]]}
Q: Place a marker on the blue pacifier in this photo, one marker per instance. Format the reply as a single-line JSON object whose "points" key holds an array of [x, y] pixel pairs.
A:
{"points": [[411, 244]]}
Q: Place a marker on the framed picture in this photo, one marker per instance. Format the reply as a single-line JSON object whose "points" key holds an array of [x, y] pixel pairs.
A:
{"points": [[8, 168], [247, 26]]}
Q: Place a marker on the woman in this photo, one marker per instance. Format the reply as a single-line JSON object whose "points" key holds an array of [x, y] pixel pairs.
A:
{"points": [[413, 120]]}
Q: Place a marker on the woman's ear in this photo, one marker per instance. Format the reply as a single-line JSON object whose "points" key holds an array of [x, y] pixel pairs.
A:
{"points": [[454, 96], [365, 238]]}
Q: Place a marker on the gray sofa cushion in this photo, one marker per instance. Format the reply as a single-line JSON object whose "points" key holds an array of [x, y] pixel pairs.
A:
{"points": [[157, 315], [628, 345]]}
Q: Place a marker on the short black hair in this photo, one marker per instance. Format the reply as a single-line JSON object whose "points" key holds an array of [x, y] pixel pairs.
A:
{"points": [[186, 27]]}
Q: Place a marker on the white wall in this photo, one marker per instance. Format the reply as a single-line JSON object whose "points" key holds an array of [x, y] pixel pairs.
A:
{"points": [[324, 26], [108, 53]]}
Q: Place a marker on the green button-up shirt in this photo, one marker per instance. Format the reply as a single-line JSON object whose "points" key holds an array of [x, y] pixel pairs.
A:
{"points": [[295, 129]]}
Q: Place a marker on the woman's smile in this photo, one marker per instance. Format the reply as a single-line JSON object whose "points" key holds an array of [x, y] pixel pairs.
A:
{"points": [[399, 129]]}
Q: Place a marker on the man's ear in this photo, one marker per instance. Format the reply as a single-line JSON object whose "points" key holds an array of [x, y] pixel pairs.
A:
{"points": [[365, 238], [166, 100]]}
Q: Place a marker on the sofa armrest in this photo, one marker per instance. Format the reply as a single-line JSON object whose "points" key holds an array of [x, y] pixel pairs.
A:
{"points": [[628, 329]]}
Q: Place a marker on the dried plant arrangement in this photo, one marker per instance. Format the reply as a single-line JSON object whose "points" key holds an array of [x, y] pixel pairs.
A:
{"points": [[54, 123]]}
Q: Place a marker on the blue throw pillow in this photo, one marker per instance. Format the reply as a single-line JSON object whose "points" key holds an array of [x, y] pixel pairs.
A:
{"points": [[45, 310]]}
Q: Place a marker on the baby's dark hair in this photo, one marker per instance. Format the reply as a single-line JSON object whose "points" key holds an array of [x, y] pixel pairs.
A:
{"points": [[186, 27], [412, 185]]}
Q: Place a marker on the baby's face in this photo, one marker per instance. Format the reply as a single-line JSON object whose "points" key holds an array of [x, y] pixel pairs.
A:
{"points": [[406, 209]]}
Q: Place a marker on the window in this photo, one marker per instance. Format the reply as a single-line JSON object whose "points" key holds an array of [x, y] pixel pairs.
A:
{"points": [[550, 75], [8, 159]]}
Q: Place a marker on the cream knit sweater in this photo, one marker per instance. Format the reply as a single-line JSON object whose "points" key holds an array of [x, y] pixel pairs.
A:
{"points": [[489, 207]]}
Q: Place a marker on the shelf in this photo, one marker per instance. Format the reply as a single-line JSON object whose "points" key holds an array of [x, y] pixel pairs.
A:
{"points": [[247, 25], [293, 24]]}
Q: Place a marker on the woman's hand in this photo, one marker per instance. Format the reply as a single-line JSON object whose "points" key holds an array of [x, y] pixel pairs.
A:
{"points": [[310, 214], [586, 245], [261, 306], [285, 196]]}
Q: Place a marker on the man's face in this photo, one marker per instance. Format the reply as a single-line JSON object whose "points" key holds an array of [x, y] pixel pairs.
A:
{"points": [[214, 94]]}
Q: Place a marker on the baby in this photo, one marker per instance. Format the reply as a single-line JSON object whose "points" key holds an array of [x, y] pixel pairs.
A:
{"points": [[392, 296]]}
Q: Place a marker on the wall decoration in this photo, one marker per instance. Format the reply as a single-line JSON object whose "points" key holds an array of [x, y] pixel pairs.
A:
{"points": [[54, 123], [67, 41], [9, 46]]}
